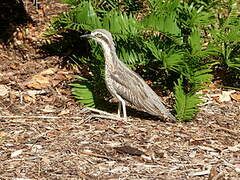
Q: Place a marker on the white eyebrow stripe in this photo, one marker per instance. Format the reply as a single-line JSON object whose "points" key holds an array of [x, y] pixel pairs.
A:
{"points": [[104, 35]]}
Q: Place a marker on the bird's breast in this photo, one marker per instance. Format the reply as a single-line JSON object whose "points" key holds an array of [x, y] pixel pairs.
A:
{"points": [[108, 80]]}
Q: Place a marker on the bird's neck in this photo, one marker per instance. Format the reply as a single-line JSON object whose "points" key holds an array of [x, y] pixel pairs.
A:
{"points": [[110, 55]]}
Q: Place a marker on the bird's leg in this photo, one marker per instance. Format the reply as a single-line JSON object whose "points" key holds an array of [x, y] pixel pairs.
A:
{"points": [[123, 106], [119, 109], [124, 110]]}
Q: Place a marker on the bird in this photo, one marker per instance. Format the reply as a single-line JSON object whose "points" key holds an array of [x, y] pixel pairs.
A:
{"points": [[125, 84]]}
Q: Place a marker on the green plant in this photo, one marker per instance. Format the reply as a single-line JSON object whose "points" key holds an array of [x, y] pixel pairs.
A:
{"points": [[226, 37], [225, 41], [83, 91], [170, 44], [186, 104]]}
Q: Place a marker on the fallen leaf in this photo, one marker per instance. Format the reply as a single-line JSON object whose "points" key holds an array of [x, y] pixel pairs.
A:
{"points": [[237, 168], [64, 112], [236, 96], [146, 158], [150, 153], [200, 173], [45, 160], [36, 148], [192, 154], [49, 71], [234, 148], [212, 86], [33, 93], [16, 153], [29, 99], [160, 154], [3, 133], [39, 82], [4, 90], [51, 134], [225, 96], [41, 12], [55, 82], [49, 109], [20, 35], [60, 77], [205, 148]]}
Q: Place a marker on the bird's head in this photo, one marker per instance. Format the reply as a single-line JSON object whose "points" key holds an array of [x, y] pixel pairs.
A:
{"points": [[102, 36]]}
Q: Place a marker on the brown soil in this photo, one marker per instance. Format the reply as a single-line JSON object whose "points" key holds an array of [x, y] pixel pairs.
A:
{"points": [[43, 135]]}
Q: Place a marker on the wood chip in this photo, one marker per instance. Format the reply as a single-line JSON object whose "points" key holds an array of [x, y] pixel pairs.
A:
{"points": [[200, 173], [16, 153], [129, 150]]}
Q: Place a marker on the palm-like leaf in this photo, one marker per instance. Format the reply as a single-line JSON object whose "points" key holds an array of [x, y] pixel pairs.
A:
{"points": [[186, 104], [226, 38], [82, 91], [162, 17], [120, 24], [167, 38], [170, 58]]}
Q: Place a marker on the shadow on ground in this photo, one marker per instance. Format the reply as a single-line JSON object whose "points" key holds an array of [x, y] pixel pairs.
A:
{"points": [[13, 15]]}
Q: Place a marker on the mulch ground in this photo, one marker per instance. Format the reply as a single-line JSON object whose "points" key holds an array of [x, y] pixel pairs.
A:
{"points": [[43, 135]]}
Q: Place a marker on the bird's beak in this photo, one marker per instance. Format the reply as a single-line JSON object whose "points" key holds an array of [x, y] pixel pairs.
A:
{"points": [[88, 36]]}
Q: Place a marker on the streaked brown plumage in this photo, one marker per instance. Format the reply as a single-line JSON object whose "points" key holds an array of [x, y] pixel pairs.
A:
{"points": [[125, 84]]}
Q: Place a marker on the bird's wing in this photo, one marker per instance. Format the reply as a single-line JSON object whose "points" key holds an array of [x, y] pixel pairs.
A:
{"points": [[131, 87]]}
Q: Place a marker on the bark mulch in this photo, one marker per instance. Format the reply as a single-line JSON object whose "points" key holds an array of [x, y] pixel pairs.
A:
{"points": [[43, 135]]}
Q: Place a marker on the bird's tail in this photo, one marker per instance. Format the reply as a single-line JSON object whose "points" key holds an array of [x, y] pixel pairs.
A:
{"points": [[164, 111]]}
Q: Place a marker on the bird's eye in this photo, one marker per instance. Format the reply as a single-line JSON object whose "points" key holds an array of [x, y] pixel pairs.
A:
{"points": [[99, 35]]}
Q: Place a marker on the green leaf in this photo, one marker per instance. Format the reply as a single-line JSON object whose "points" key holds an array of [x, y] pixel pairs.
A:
{"points": [[162, 17], [83, 91], [234, 63], [120, 24], [86, 17], [170, 58], [186, 104], [195, 41]]}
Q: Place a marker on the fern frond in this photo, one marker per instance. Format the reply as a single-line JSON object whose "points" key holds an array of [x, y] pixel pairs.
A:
{"points": [[170, 58], [190, 16], [195, 41], [162, 17], [82, 91], [86, 17], [225, 38], [198, 78], [186, 104], [129, 56], [83, 16], [120, 24], [234, 63], [201, 79]]}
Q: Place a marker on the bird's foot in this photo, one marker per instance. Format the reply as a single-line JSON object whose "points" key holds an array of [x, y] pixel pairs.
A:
{"points": [[89, 109], [101, 114], [113, 117]]}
